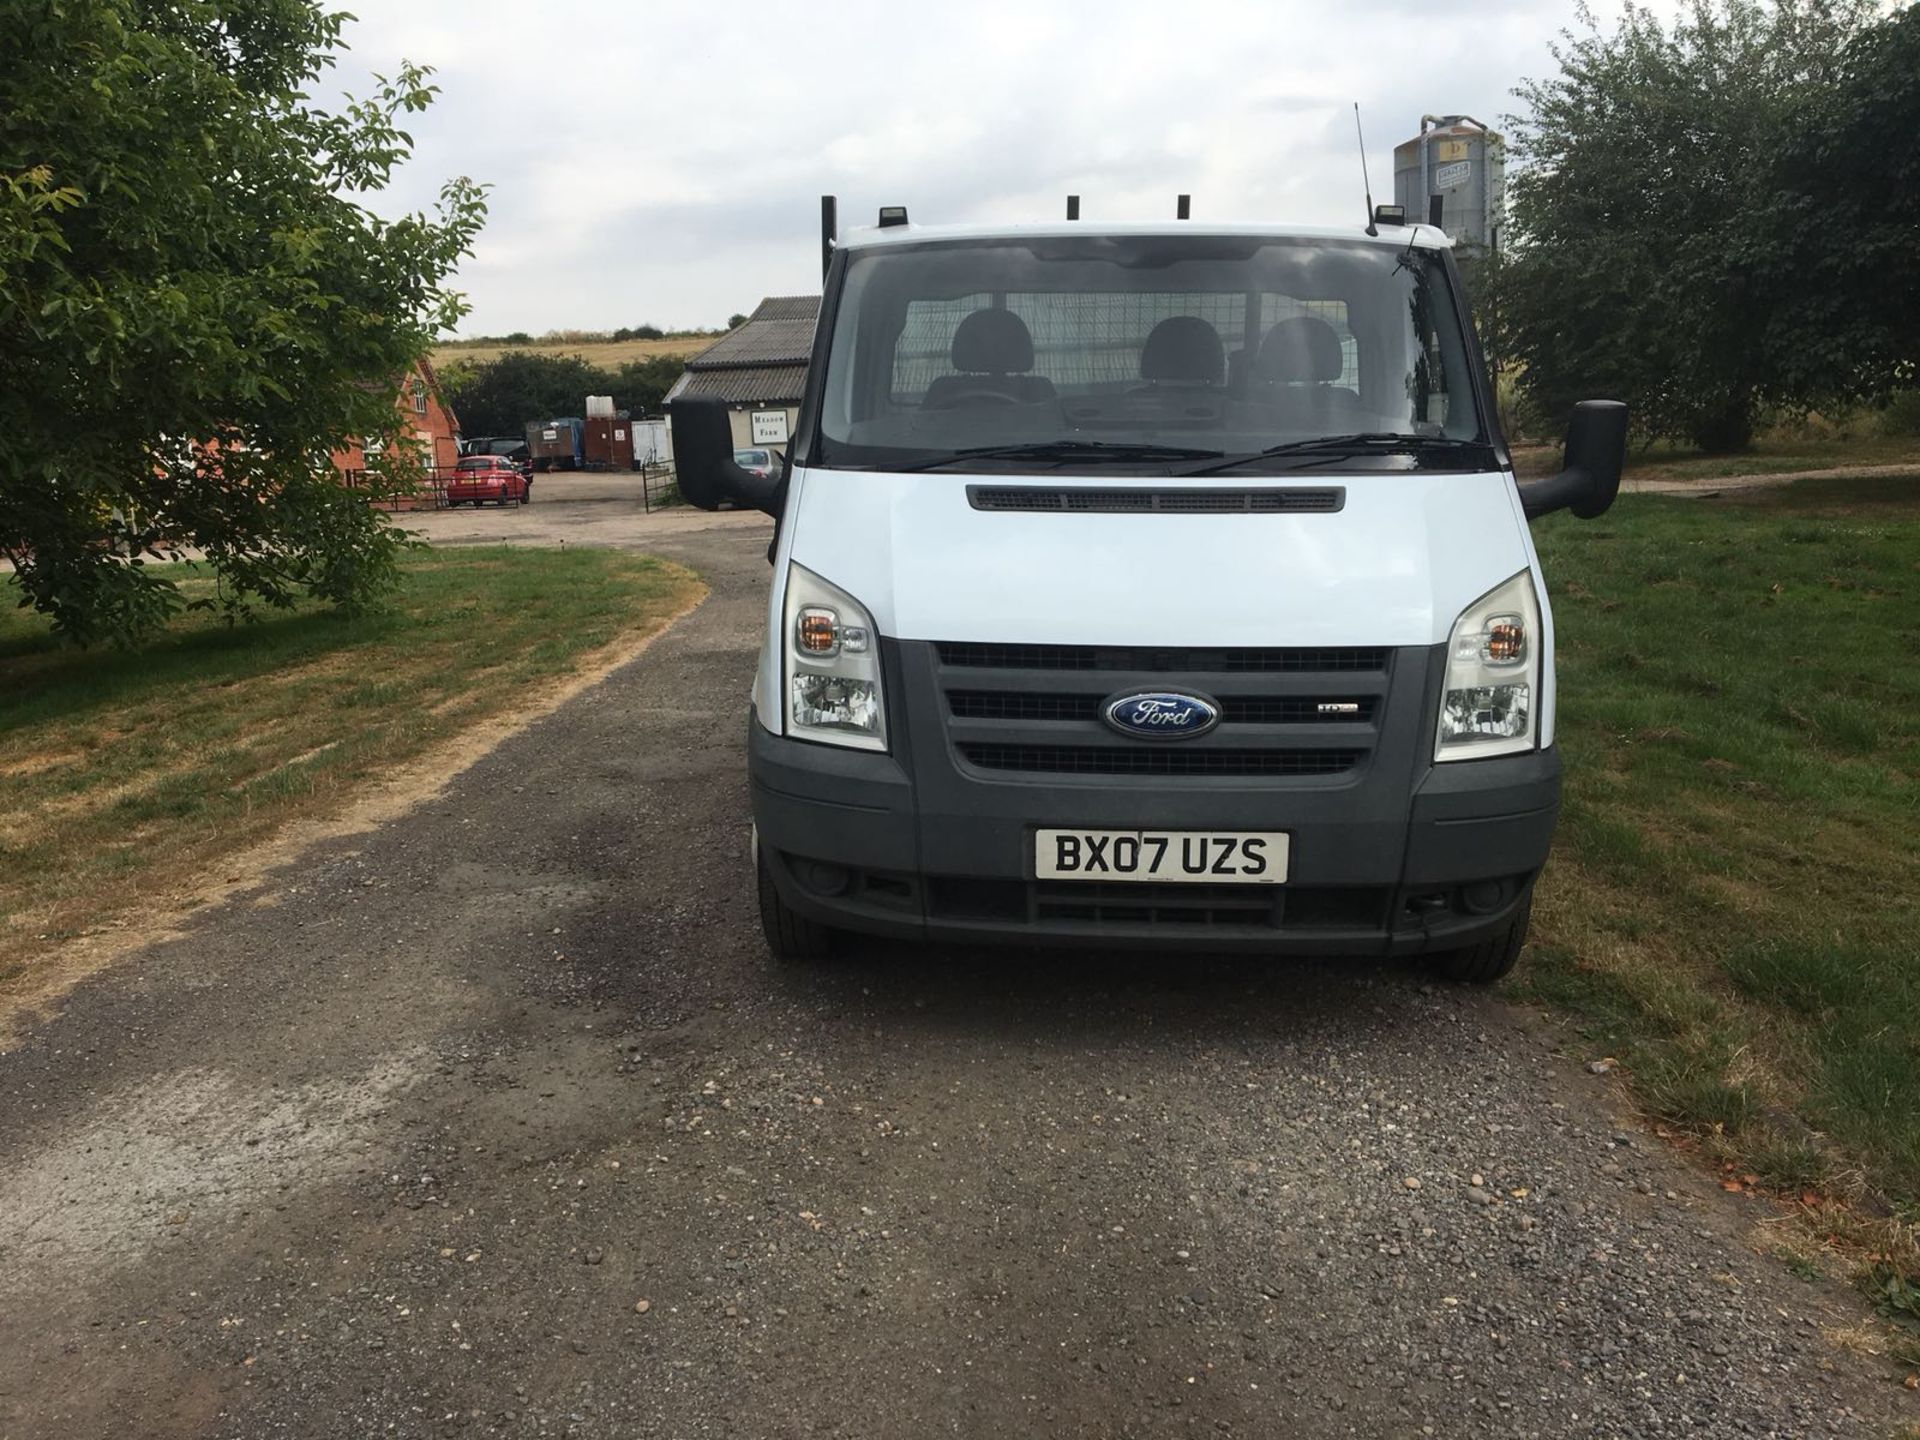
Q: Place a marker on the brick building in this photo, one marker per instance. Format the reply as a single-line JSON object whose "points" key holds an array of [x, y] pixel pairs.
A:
{"points": [[436, 429]]}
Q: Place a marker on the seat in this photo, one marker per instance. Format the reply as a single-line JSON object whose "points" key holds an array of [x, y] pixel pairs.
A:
{"points": [[1300, 350], [1299, 360], [993, 351], [1183, 350]]}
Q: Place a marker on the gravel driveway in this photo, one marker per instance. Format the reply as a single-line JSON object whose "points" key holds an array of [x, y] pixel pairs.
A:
{"points": [[501, 1124]]}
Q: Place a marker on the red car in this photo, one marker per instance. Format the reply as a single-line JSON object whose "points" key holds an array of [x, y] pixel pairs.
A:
{"points": [[482, 478]]}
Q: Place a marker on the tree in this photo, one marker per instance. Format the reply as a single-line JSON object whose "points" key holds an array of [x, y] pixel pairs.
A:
{"points": [[196, 306], [734, 322], [640, 385], [504, 396], [1845, 209], [1633, 273]]}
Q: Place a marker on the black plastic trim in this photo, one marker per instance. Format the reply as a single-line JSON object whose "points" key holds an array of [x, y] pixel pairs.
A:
{"points": [[1212, 500]]}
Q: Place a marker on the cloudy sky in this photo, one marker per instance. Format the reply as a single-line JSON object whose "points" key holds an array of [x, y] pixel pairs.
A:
{"points": [[663, 163]]}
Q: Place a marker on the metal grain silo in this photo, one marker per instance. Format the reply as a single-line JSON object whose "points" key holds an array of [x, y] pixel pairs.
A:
{"points": [[1465, 164]]}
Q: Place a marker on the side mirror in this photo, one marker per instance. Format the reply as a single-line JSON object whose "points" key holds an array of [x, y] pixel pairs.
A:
{"points": [[703, 458], [1596, 454]]}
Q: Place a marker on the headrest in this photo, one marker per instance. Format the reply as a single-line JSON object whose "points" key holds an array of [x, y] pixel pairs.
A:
{"points": [[1304, 348], [992, 342], [1184, 347]]}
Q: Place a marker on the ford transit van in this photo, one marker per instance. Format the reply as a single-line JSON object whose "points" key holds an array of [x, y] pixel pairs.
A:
{"points": [[1159, 585]]}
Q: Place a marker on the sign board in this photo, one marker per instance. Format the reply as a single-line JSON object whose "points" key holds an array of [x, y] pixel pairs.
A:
{"points": [[1449, 150], [769, 427], [1448, 177]]}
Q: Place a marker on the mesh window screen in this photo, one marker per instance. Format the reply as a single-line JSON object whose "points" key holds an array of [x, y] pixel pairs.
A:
{"points": [[1275, 308], [1084, 341]]}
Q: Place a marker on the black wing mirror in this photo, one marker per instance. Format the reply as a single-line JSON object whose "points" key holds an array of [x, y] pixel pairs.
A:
{"points": [[1596, 454], [703, 459]]}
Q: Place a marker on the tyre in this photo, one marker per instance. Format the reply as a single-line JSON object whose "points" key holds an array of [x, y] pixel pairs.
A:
{"points": [[1489, 959], [791, 937]]}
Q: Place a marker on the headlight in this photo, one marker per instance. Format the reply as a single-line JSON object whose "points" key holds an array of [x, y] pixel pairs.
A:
{"points": [[832, 666], [1493, 675]]}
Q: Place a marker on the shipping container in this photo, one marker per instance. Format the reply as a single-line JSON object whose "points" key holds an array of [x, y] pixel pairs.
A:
{"points": [[652, 443], [557, 444], [609, 443]]}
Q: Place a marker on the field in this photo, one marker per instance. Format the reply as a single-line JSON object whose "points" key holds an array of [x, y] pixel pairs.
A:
{"points": [[608, 354], [128, 780], [1733, 905]]}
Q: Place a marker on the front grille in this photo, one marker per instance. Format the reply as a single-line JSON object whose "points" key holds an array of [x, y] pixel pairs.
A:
{"points": [[1159, 903], [1226, 660], [1234, 709], [1286, 712], [1290, 500], [1157, 758]]}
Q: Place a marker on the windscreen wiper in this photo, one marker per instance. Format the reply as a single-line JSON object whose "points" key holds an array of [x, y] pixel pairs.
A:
{"points": [[1063, 450], [1367, 443]]}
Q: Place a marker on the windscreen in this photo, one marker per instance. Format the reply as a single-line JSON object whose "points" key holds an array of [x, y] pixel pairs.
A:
{"points": [[1130, 349]]}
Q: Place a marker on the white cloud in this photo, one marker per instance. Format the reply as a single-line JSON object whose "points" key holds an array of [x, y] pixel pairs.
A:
{"points": [[662, 162]]}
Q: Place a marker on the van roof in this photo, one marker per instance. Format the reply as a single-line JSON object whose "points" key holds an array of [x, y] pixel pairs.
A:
{"points": [[1424, 236]]}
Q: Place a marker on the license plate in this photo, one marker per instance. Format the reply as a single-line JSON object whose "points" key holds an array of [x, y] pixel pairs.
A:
{"points": [[1246, 857]]}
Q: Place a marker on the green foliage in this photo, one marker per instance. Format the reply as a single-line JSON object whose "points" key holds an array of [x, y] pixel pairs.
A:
{"points": [[504, 396], [196, 309], [639, 332], [1900, 416], [1842, 214], [734, 322], [1645, 265]]}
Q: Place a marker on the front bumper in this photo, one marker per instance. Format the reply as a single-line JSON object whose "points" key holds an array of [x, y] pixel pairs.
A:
{"points": [[852, 841]]}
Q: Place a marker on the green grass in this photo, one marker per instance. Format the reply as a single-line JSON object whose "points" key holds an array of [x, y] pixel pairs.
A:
{"points": [[1733, 906], [128, 777]]}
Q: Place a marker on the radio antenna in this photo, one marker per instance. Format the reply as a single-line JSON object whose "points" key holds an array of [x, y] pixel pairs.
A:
{"points": [[1366, 181]]}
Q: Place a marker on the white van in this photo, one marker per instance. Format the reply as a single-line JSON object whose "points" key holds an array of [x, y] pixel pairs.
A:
{"points": [[1158, 585]]}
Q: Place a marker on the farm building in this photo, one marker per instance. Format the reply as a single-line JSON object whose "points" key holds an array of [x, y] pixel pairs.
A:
{"points": [[759, 369], [436, 430]]}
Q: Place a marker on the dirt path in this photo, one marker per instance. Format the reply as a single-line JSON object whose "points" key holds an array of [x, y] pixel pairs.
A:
{"points": [[399, 1144], [1657, 485]]}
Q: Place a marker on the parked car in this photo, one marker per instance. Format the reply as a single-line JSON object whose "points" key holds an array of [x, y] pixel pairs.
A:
{"points": [[762, 464], [510, 447], [479, 479]]}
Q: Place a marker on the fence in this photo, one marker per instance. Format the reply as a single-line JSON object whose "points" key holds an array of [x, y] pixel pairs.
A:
{"points": [[430, 493], [659, 487]]}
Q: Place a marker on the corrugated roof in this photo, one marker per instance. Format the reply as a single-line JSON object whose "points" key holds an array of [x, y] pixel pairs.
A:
{"points": [[779, 332], [744, 384]]}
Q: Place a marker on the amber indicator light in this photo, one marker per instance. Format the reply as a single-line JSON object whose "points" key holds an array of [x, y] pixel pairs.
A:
{"points": [[816, 631], [1506, 639]]}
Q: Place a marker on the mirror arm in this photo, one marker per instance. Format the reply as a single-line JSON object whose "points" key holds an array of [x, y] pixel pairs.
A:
{"points": [[1556, 492]]}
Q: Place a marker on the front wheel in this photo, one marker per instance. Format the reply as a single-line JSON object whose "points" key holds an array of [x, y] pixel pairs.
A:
{"points": [[1487, 960], [791, 936]]}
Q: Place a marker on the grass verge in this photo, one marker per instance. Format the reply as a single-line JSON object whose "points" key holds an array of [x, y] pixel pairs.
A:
{"points": [[1733, 907], [131, 779]]}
